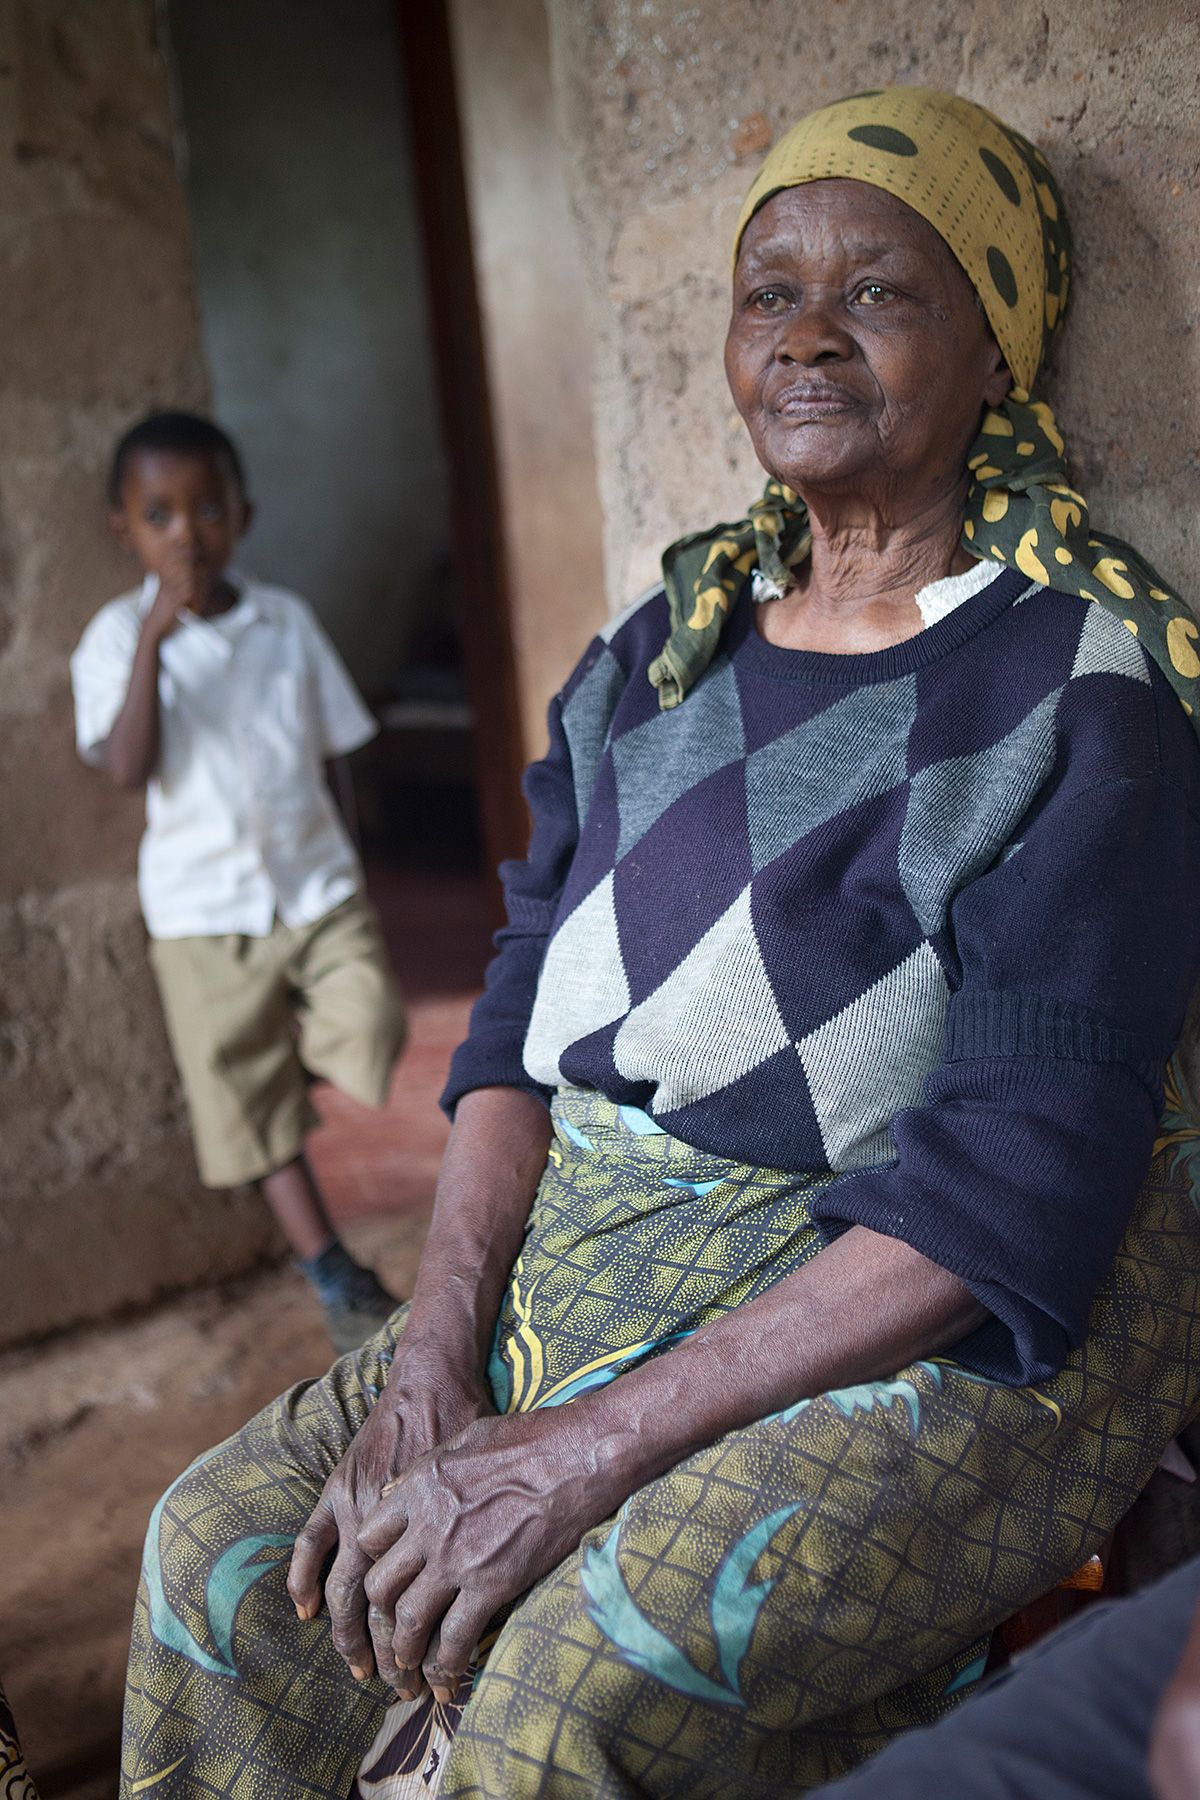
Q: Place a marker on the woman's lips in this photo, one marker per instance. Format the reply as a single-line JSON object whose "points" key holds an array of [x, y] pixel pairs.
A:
{"points": [[812, 402]]}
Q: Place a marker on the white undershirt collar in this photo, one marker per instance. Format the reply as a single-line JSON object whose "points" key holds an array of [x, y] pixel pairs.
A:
{"points": [[941, 597], [933, 601]]}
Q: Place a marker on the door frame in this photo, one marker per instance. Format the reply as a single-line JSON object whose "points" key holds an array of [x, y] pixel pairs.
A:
{"points": [[483, 611]]}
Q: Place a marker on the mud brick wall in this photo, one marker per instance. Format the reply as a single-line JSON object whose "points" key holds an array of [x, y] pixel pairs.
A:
{"points": [[99, 1203]]}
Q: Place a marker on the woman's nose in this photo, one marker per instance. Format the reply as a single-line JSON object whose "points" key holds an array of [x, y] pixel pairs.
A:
{"points": [[812, 333]]}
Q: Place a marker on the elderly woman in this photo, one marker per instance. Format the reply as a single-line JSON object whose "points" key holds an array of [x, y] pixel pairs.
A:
{"points": [[790, 1313]]}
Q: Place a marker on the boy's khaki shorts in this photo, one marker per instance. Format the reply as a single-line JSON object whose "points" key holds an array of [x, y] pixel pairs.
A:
{"points": [[248, 1016]]}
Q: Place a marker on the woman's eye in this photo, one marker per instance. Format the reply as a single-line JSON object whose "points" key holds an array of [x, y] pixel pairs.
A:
{"points": [[769, 300], [156, 515], [211, 514], [873, 293]]}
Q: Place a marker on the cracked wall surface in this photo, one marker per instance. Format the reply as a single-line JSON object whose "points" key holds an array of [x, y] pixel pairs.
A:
{"points": [[667, 110], [99, 1204]]}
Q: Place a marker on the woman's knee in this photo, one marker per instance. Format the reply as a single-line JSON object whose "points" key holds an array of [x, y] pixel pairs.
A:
{"points": [[212, 1537], [560, 1713]]}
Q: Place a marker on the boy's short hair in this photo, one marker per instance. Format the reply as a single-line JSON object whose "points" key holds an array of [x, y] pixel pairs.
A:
{"points": [[179, 434]]}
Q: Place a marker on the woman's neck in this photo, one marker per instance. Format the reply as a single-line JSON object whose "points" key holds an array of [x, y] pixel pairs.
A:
{"points": [[856, 591]]}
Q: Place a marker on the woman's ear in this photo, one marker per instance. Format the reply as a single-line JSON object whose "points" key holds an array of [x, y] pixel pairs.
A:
{"points": [[999, 378]]}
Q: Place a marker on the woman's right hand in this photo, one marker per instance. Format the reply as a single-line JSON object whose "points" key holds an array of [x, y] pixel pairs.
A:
{"points": [[491, 1168], [426, 1401]]}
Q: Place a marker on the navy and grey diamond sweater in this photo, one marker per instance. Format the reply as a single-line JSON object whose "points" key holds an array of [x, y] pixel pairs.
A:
{"points": [[926, 917]]}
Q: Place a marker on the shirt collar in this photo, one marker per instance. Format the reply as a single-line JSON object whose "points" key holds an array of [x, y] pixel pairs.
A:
{"points": [[249, 607]]}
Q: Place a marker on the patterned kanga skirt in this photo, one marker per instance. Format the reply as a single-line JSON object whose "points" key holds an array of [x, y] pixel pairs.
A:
{"points": [[16, 1783], [756, 1621]]}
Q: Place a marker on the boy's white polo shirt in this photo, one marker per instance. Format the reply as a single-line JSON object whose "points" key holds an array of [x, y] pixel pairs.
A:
{"points": [[240, 824]]}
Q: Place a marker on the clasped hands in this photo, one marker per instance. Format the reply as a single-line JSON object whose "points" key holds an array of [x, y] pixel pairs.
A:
{"points": [[482, 1507]]}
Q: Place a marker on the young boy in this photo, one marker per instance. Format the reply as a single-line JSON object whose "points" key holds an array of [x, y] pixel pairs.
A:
{"points": [[225, 699]]}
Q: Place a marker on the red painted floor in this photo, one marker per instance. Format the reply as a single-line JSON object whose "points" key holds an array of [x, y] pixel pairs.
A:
{"points": [[438, 929]]}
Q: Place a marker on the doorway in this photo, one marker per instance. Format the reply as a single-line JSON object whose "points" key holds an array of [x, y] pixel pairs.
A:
{"points": [[325, 187]]}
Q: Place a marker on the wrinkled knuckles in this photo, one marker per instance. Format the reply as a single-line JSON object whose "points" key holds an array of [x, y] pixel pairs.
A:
{"points": [[408, 1620], [377, 1537], [408, 1647], [349, 1636], [353, 1648], [378, 1587], [341, 1592], [318, 1528], [312, 1535], [453, 1651]]}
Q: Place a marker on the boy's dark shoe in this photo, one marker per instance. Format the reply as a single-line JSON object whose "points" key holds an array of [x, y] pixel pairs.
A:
{"points": [[363, 1307]]}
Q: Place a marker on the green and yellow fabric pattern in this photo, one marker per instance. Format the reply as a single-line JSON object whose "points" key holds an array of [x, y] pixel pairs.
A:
{"points": [[758, 1620], [635, 1240], [16, 1783], [993, 199]]}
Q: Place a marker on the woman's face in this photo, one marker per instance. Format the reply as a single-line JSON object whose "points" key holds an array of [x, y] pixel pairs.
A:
{"points": [[856, 353]]}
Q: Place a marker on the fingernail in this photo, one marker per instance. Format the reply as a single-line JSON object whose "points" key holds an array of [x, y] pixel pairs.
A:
{"points": [[358, 1674], [304, 1612], [442, 1695], [387, 1488]]}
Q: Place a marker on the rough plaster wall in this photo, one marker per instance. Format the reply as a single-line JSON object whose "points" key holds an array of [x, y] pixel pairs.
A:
{"points": [[99, 1205], [668, 110]]}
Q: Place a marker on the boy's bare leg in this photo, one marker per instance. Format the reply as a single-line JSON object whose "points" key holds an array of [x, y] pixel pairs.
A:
{"points": [[295, 1199], [354, 1302]]}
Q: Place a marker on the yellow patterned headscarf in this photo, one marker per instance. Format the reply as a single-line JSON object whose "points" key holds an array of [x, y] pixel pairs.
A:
{"points": [[992, 198]]}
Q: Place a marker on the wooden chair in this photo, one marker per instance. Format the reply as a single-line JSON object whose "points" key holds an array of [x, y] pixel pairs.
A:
{"points": [[1103, 1573], [1099, 1574]]}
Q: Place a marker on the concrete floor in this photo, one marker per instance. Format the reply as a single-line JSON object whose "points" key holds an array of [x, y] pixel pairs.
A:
{"points": [[94, 1424]]}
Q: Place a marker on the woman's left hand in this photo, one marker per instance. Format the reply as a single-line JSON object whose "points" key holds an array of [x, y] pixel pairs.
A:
{"points": [[471, 1526]]}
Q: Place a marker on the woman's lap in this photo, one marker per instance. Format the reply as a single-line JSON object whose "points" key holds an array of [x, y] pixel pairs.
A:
{"points": [[756, 1621], [227, 1679]]}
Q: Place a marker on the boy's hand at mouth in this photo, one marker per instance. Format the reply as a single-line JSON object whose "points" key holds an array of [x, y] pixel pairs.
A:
{"points": [[182, 583]]}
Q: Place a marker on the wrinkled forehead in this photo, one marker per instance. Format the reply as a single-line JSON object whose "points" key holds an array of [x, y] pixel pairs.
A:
{"points": [[847, 220]]}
